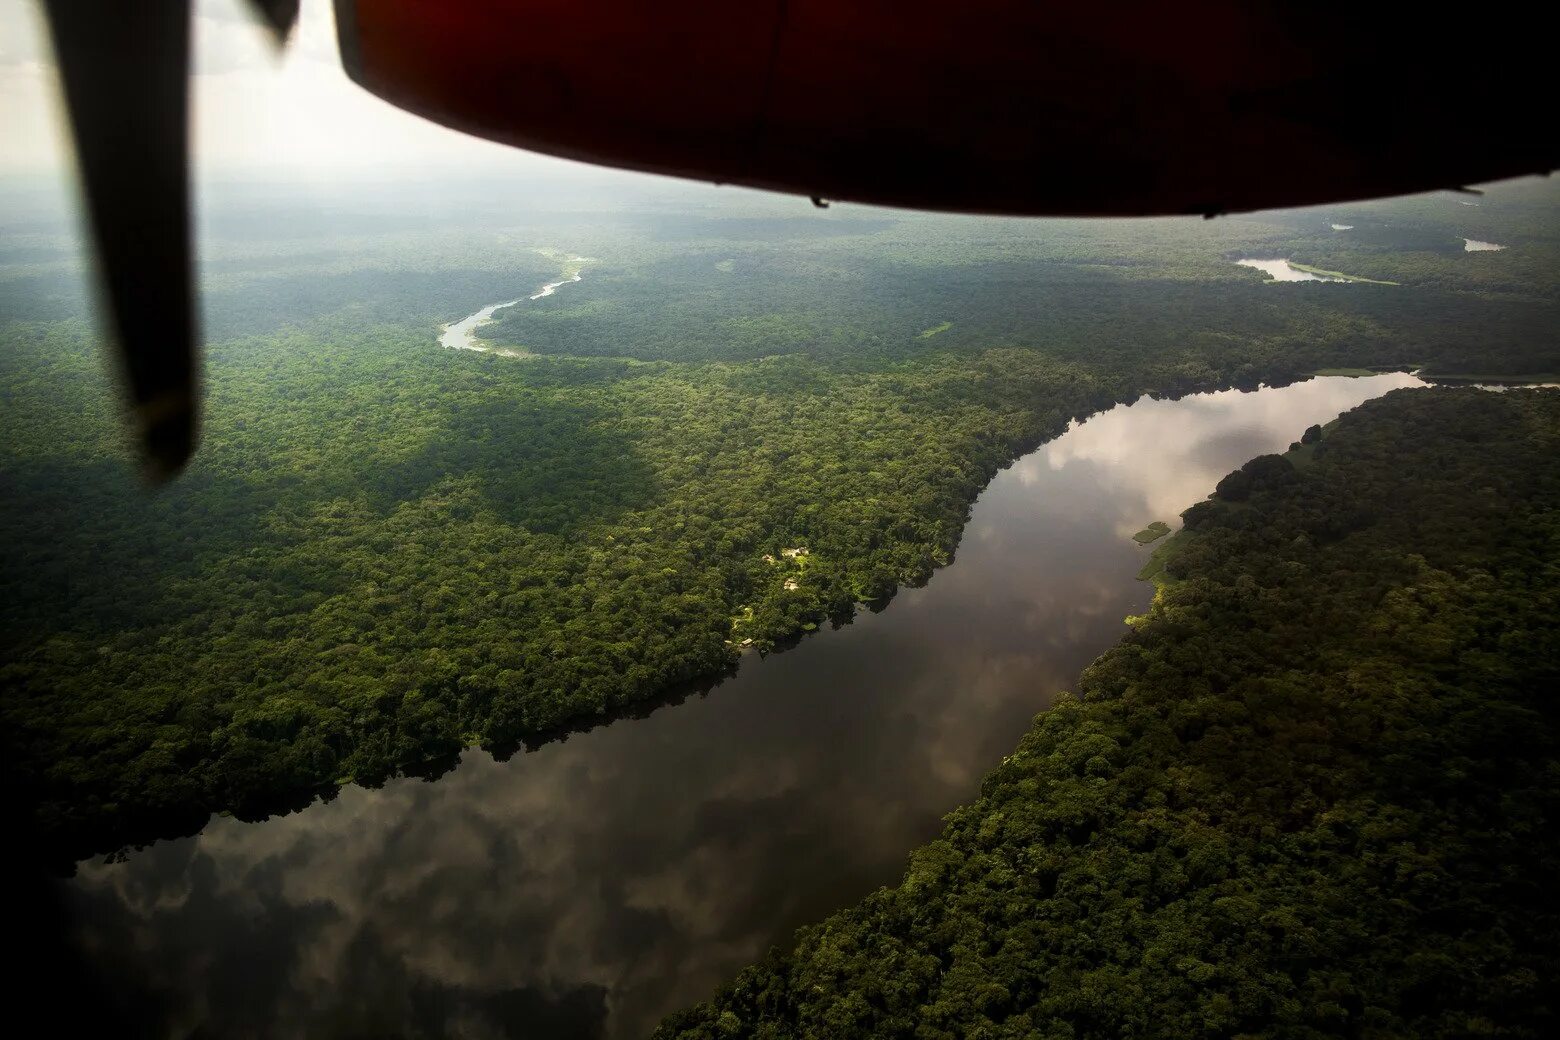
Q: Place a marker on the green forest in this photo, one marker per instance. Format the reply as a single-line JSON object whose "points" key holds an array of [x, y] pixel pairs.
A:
{"points": [[386, 552], [1311, 794]]}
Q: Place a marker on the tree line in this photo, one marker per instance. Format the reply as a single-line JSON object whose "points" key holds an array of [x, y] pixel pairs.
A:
{"points": [[1309, 795]]}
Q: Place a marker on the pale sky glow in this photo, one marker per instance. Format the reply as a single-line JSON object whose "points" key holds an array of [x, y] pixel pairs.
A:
{"points": [[256, 113]]}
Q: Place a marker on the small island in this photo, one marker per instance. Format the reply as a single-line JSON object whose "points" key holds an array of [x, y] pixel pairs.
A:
{"points": [[1152, 533]]}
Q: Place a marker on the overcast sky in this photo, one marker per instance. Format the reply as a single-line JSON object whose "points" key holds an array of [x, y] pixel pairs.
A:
{"points": [[255, 114]]}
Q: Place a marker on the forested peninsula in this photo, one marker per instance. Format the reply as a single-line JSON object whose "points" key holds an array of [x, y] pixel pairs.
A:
{"points": [[387, 552], [1311, 794]]}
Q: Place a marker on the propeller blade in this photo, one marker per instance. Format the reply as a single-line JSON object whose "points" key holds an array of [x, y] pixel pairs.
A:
{"points": [[125, 70]]}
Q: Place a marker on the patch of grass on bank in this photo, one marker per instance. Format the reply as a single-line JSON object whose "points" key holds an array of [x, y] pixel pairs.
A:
{"points": [[1154, 568], [1152, 533]]}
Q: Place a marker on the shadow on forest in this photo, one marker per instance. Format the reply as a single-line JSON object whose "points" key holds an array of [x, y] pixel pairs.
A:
{"points": [[69, 547], [547, 467]]}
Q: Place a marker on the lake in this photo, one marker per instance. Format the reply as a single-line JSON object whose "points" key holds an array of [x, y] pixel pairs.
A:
{"points": [[591, 886]]}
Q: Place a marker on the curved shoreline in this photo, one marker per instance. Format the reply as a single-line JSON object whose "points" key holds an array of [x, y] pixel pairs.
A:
{"points": [[915, 703], [459, 335]]}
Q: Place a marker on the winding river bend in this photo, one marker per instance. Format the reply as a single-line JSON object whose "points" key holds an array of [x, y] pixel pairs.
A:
{"points": [[589, 887], [462, 334], [1283, 271]]}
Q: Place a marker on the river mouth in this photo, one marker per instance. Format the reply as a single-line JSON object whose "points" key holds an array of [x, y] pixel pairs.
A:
{"points": [[591, 886]]}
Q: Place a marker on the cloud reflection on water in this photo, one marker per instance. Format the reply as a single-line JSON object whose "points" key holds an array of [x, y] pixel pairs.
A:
{"points": [[590, 886]]}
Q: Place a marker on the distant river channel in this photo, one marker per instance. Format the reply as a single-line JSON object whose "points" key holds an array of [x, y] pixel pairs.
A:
{"points": [[587, 888]]}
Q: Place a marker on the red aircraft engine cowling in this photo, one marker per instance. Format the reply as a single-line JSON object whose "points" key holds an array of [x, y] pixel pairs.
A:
{"points": [[1128, 108]]}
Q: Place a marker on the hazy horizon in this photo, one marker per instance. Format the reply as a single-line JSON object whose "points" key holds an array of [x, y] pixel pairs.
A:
{"points": [[260, 115]]}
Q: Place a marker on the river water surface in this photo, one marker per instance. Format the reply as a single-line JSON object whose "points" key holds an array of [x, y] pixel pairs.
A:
{"points": [[589, 887], [462, 334], [1283, 271]]}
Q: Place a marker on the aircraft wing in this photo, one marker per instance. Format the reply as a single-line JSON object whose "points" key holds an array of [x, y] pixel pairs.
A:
{"points": [[1131, 108]]}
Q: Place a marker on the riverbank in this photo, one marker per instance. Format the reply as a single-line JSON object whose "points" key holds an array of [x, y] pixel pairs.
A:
{"points": [[1286, 271], [1243, 822], [1339, 275], [463, 334], [768, 810], [262, 765]]}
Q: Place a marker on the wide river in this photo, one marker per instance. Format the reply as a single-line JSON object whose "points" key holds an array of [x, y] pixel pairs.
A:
{"points": [[589, 887]]}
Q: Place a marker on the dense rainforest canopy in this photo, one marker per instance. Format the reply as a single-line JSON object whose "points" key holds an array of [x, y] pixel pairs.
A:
{"points": [[386, 552], [1311, 794]]}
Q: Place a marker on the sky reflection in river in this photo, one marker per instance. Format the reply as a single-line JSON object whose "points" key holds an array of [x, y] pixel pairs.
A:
{"points": [[1284, 271], [591, 886]]}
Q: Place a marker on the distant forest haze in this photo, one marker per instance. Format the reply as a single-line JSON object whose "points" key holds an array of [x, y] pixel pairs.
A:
{"points": [[750, 420]]}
